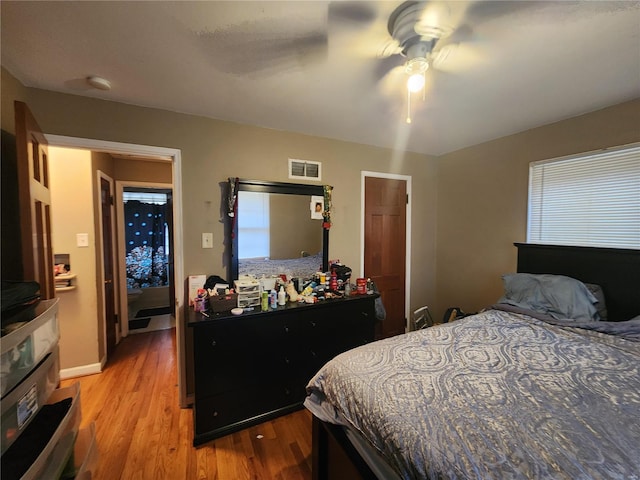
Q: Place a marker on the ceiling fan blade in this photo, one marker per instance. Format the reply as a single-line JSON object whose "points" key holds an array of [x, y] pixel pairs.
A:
{"points": [[394, 82], [234, 51], [366, 35], [351, 13], [482, 11], [382, 66], [458, 58]]}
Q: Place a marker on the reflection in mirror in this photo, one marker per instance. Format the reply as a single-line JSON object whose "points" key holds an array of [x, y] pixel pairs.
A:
{"points": [[276, 235], [275, 226], [275, 232]]}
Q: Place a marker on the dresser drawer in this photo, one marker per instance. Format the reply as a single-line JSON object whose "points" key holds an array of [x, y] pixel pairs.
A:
{"points": [[215, 412]]}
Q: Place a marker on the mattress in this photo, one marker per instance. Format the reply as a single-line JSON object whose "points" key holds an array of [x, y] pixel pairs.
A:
{"points": [[495, 395]]}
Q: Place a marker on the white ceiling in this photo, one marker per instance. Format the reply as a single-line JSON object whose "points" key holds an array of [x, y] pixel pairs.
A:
{"points": [[314, 66]]}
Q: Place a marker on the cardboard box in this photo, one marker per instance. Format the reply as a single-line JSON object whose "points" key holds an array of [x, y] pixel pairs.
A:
{"points": [[196, 282]]}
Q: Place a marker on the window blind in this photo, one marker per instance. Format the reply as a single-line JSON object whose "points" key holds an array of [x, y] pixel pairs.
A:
{"points": [[586, 200]]}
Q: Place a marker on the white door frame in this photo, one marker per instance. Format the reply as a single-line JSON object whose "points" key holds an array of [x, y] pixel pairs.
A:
{"points": [[174, 156], [407, 281]]}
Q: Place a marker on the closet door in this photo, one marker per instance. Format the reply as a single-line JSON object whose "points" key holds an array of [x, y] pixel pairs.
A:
{"points": [[35, 201]]}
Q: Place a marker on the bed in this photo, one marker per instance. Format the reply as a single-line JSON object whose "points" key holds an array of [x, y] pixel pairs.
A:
{"points": [[512, 392]]}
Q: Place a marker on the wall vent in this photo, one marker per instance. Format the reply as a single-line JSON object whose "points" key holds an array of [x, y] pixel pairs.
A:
{"points": [[305, 169]]}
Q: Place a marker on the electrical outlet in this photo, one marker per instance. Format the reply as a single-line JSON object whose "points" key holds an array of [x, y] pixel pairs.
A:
{"points": [[207, 240]]}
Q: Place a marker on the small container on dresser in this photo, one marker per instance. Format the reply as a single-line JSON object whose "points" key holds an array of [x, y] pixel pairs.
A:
{"points": [[248, 290], [223, 303]]}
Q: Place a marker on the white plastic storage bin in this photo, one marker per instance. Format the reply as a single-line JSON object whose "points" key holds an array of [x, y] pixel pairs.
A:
{"points": [[51, 460], [83, 463], [248, 290], [31, 338], [248, 300], [21, 404], [247, 285]]}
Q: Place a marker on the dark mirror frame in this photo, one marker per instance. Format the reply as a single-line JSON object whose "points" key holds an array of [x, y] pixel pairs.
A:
{"points": [[276, 187]]}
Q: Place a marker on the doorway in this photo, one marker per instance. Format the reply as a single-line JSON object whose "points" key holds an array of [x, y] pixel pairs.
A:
{"points": [[173, 156], [385, 237], [144, 235]]}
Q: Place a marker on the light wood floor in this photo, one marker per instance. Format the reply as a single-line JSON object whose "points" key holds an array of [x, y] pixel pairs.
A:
{"points": [[142, 433]]}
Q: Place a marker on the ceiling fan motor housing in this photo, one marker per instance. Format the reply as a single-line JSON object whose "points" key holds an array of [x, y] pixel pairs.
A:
{"points": [[415, 34]]}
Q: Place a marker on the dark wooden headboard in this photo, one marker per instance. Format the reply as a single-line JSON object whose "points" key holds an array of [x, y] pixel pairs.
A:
{"points": [[617, 271]]}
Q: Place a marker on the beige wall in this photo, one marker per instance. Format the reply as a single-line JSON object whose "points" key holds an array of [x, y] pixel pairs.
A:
{"points": [[12, 90], [482, 194], [214, 150], [142, 171], [72, 213]]}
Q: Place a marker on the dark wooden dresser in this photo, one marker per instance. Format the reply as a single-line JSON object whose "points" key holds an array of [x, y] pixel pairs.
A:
{"points": [[255, 366]]}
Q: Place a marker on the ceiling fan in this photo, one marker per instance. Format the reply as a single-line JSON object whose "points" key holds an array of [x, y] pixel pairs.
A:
{"points": [[422, 33]]}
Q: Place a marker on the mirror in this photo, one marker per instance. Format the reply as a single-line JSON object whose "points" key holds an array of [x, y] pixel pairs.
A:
{"points": [[274, 232]]}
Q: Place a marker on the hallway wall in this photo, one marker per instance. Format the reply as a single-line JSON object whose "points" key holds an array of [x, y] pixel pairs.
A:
{"points": [[72, 213]]}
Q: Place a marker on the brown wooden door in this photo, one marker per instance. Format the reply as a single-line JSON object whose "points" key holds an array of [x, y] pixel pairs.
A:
{"points": [[35, 201], [111, 320], [385, 248]]}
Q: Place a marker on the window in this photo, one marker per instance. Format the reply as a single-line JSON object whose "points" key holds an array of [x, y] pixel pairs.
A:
{"points": [[253, 225], [587, 200]]}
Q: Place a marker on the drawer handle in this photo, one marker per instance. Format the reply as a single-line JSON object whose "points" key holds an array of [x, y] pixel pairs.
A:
{"points": [[286, 329], [364, 314], [313, 324], [213, 343], [313, 354], [286, 360], [215, 414]]}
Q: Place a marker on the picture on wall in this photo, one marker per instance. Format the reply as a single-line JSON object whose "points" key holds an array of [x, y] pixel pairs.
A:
{"points": [[317, 207]]}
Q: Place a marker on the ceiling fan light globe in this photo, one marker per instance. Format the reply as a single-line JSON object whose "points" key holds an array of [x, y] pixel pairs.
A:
{"points": [[416, 66], [415, 83]]}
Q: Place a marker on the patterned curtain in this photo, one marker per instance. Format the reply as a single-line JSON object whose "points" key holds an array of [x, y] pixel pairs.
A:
{"points": [[146, 261]]}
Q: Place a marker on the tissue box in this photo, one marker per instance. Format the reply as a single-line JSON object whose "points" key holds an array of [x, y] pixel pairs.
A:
{"points": [[223, 303]]}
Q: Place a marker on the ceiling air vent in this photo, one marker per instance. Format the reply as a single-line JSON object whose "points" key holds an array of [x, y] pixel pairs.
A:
{"points": [[305, 169]]}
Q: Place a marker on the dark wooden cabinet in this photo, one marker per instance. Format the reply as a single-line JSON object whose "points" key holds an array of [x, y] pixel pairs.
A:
{"points": [[255, 366]]}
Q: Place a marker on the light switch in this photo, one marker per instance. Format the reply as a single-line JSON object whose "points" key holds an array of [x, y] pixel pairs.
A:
{"points": [[207, 240], [82, 239]]}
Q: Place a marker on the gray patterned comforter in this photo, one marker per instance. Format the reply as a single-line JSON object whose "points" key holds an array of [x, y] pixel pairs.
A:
{"points": [[498, 395]]}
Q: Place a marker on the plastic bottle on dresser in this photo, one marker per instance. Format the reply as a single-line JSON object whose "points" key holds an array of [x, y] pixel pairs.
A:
{"points": [[282, 296], [273, 299]]}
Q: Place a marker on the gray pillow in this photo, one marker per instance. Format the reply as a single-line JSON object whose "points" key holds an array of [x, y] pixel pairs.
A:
{"points": [[555, 295], [601, 305]]}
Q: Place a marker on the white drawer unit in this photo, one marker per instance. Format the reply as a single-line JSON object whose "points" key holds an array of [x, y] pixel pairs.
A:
{"points": [[248, 300], [248, 290], [32, 336], [40, 423], [20, 406]]}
